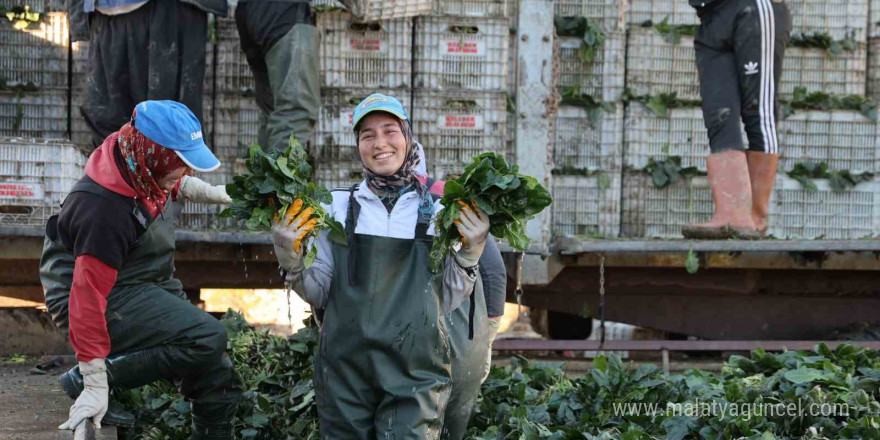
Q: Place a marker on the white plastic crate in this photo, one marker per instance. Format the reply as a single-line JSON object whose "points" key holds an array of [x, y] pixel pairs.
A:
{"points": [[607, 12], [35, 55], [40, 114], [456, 126], [815, 69], [614, 331], [681, 134], [35, 176], [838, 18], [236, 124], [654, 66], [603, 77], [473, 8], [39, 5], [371, 55], [232, 72], [334, 139], [675, 11], [586, 205], [873, 18], [461, 53], [848, 215], [373, 10], [873, 85], [334, 175], [653, 212], [584, 145], [845, 140]]}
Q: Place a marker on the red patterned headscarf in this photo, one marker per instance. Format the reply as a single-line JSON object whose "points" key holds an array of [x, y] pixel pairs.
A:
{"points": [[146, 162]]}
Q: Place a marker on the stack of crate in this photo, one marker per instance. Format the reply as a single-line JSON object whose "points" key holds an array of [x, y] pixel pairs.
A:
{"points": [[357, 58], [588, 143], [38, 166], [461, 86], [845, 140]]}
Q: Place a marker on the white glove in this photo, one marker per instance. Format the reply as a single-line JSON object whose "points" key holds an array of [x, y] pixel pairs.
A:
{"points": [[287, 237], [198, 191], [92, 402], [474, 229]]}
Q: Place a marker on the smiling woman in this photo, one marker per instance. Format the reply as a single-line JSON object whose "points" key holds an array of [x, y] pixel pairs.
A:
{"points": [[381, 143]]}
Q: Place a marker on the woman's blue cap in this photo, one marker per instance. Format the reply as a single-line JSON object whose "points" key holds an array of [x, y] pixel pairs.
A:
{"points": [[173, 126]]}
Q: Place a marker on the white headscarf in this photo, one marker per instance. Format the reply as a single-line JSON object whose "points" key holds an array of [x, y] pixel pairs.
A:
{"points": [[421, 169]]}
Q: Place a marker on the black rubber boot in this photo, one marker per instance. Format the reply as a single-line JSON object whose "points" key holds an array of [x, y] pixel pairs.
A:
{"points": [[72, 384], [205, 429]]}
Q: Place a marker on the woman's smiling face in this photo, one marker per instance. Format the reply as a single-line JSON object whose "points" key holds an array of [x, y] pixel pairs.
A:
{"points": [[381, 143]]}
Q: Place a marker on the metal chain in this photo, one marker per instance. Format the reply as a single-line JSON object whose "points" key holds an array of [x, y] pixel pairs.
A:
{"points": [[602, 300], [519, 289]]}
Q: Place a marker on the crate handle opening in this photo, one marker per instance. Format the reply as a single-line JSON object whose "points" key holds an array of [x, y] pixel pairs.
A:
{"points": [[366, 27], [461, 104], [16, 209], [455, 29]]}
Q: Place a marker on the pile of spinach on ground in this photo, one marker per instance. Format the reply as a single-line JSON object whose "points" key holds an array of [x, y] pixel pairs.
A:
{"points": [[509, 198], [591, 33], [269, 191], [537, 401], [804, 100], [278, 401], [839, 180], [530, 400]]}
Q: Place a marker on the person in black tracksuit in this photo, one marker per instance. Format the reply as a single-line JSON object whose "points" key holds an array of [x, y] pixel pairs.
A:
{"points": [[739, 50]]}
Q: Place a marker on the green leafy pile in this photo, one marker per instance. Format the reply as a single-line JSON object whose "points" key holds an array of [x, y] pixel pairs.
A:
{"points": [[672, 32], [839, 180], [669, 171], [801, 99], [509, 198], [660, 104], [823, 40], [536, 401], [278, 401], [589, 31], [273, 181]]}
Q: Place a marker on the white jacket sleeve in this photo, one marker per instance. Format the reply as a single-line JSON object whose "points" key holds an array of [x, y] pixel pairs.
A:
{"points": [[313, 284]]}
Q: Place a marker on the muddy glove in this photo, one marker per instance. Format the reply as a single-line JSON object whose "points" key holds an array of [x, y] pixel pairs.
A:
{"points": [[198, 191], [289, 233], [473, 225], [92, 402]]}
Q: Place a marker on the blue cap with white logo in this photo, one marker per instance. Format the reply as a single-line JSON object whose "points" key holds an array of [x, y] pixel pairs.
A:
{"points": [[378, 102], [173, 126]]}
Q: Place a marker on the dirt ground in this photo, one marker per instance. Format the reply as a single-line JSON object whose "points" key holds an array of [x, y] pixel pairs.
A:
{"points": [[34, 405]]}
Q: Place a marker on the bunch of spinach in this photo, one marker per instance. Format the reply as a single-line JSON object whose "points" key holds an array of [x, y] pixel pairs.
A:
{"points": [[509, 198], [660, 104], [269, 189], [591, 33], [669, 171], [672, 32], [823, 40], [22, 17], [802, 99], [839, 180]]}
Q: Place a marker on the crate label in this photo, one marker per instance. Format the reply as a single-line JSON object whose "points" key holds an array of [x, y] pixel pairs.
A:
{"points": [[461, 122], [366, 45], [346, 119], [21, 190], [463, 48]]}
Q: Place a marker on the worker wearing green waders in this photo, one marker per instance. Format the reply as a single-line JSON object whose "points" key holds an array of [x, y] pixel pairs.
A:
{"points": [[383, 368]]}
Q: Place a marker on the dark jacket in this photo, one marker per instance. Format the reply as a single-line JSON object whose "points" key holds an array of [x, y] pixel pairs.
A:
{"points": [[79, 19]]}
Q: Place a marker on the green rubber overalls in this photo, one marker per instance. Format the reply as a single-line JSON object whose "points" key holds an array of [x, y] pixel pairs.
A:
{"points": [[383, 366]]}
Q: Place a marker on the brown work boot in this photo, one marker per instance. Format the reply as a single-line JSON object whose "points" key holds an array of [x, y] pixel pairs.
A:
{"points": [[732, 193], [762, 172]]}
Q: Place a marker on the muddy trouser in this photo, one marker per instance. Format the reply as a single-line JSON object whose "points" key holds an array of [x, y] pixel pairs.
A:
{"points": [[154, 52], [184, 344], [469, 337], [739, 50], [281, 46]]}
